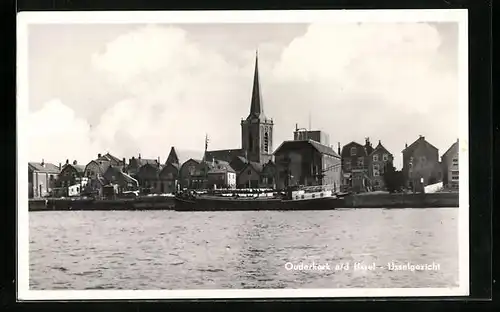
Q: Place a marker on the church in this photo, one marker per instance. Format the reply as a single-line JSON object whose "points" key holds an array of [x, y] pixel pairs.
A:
{"points": [[253, 162]]}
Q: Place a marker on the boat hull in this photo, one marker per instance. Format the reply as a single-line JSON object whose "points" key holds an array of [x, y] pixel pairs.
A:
{"points": [[222, 204]]}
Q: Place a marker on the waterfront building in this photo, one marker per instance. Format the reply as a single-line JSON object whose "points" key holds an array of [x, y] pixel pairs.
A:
{"points": [[136, 163], [114, 176], [377, 161], [42, 178], [169, 175], [215, 174], [148, 178], [187, 171], [71, 174], [249, 176], [421, 165], [449, 162], [355, 168], [307, 163]]}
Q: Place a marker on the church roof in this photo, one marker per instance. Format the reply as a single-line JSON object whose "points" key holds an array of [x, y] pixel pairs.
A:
{"points": [[172, 157], [224, 155], [256, 106]]}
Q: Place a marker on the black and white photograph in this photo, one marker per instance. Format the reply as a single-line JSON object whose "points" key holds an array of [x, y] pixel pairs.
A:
{"points": [[242, 154]]}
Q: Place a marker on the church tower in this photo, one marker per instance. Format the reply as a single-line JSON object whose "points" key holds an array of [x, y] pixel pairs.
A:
{"points": [[256, 129]]}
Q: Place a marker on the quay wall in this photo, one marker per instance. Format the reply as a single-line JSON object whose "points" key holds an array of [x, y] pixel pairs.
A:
{"points": [[401, 200], [432, 200], [153, 203]]}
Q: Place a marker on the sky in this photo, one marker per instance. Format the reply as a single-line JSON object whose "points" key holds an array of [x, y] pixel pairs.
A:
{"points": [[132, 89]]}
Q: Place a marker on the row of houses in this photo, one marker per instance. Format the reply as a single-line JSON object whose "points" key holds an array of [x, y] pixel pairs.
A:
{"points": [[302, 161]]}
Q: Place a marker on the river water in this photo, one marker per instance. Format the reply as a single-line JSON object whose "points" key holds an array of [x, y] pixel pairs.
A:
{"points": [[147, 250]]}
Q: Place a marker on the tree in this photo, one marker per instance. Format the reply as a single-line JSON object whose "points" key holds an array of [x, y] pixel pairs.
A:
{"points": [[393, 179]]}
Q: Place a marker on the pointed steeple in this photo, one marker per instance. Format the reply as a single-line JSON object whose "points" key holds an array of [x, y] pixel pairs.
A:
{"points": [[256, 106]]}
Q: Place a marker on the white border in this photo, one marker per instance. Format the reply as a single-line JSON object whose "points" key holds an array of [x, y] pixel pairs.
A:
{"points": [[138, 17]]}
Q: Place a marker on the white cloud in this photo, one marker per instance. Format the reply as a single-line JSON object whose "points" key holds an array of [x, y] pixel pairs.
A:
{"points": [[357, 80], [56, 134]]}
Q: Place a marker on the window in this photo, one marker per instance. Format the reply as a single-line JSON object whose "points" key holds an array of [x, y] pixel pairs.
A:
{"points": [[266, 142], [385, 157], [376, 170], [347, 165], [353, 151], [375, 157], [361, 162], [454, 172], [455, 178], [249, 172]]}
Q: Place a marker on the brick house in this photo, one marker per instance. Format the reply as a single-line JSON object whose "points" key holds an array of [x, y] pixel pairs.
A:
{"points": [[449, 163], [307, 163], [70, 174], [114, 175], [421, 165], [187, 171], [377, 161], [148, 178], [269, 175], [136, 163], [213, 174], [249, 176], [42, 178], [355, 168]]}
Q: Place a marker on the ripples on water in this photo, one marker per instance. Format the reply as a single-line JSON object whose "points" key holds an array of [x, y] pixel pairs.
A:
{"points": [[207, 250]]}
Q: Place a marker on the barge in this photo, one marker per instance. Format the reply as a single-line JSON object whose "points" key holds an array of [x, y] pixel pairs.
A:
{"points": [[305, 198]]}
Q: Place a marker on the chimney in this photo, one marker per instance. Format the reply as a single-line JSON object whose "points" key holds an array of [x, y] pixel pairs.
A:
{"points": [[67, 161], [124, 161], [139, 155], [158, 159], [74, 162], [59, 166], [406, 145], [338, 148], [379, 142], [42, 163], [99, 155]]}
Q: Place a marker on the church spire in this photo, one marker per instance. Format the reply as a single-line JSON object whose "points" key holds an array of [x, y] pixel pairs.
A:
{"points": [[256, 107]]}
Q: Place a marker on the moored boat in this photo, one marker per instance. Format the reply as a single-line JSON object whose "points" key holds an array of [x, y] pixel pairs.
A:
{"points": [[305, 198]]}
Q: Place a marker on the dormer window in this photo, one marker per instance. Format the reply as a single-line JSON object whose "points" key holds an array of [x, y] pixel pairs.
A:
{"points": [[385, 157], [353, 151], [375, 157]]}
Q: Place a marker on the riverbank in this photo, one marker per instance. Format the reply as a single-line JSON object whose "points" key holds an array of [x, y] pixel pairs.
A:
{"points": [[64, 204], [433, 200]]}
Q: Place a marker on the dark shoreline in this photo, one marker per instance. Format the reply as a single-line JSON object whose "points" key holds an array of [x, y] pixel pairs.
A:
{"points": [[364, 201]]}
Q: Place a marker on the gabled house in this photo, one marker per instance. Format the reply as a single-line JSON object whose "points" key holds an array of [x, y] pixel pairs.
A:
{"points": [[113, 160], [114, 175], [449, 163], [213, 174], [249, 176], [170, 175], [136, 163], [355, 166], [378, 159], [187, 172], [70, 174], [148, 178], [421, 165], [42, 178], [269, 175]]}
